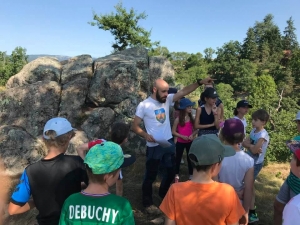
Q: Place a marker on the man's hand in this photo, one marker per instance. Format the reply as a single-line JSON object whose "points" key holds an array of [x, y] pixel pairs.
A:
{"points": [[207, 80], [149, 138]]}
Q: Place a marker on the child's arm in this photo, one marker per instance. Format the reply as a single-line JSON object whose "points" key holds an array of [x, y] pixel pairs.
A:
{"points": [[257, 148], [174, 130], [82, 150], [17, 209], [221, 107], [249, 180], [216, 111], [169, 221], [197, 121]]}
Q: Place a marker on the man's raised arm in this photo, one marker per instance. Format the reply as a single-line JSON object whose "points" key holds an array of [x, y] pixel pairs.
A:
{"points": [[190, 88]]}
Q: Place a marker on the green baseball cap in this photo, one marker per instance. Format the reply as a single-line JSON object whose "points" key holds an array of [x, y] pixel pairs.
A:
{"points": [[208, 149], [107, 157]]}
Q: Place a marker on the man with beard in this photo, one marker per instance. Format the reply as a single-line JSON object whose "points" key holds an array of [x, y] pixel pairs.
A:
{"points": [[154, 111]]}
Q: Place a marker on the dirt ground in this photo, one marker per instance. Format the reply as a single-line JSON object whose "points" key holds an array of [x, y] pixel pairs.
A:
{"points": [[267, 186]]}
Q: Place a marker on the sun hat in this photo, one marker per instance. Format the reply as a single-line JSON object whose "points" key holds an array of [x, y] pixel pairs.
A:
{"points": [[107, 157], [208, 150], [59, 125], [184, 103]]}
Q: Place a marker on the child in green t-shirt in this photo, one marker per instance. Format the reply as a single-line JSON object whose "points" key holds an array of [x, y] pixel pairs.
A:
{"points": [[95, 205]]}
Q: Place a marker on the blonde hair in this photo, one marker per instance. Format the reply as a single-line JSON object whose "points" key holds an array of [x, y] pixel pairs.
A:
{"points": [[58, 141]]}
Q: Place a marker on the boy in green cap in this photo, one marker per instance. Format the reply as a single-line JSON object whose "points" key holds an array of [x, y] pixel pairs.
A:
{"points": [[95, 205]]}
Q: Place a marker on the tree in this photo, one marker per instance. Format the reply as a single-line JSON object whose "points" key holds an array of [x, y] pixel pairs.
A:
{"points": [[124, 27], [290, 39], [11, 65], [160, 51], [249, 47], [193, 60], [208, 54]]}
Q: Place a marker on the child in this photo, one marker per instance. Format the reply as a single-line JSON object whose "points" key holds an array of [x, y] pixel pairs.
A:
{"points": [[95, 205], [291, 186], [51, 180], [291, 213], [201, 200], [183, 130], [119, 134], [256, 146], [237, 170], [207, 116], [242, 108], [219, 102]]}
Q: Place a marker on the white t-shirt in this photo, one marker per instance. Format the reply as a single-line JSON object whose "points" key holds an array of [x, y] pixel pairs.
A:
{"points": [[291, 212], [156, 117], [234, 168], [254, 137], [243, 121]]}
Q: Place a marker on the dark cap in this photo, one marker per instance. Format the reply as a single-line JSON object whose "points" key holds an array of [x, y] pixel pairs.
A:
{"points": [[233, 126], [184, 103], [210, 93], [172, 90], [208, 150], [243, 103]]}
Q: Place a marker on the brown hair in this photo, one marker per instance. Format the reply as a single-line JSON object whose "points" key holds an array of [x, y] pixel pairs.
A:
{"points": [[58, 141], [98, 178], [119, 132], [232, 139], [203, 168], [261, 114], [182, 117]]}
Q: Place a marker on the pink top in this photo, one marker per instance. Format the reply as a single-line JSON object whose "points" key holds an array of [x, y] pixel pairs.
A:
{"points": [[186, 130]]}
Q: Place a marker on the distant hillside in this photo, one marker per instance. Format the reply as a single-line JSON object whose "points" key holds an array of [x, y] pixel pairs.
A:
{"points": [[59, 57]]}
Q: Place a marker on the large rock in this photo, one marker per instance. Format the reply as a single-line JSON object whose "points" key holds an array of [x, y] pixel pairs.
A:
{"points": [[79, 139], [77, 68], [18, 148], [41, 69], [117, 77], [98, 123], [72, 100], [160, 67], [30, 106]]}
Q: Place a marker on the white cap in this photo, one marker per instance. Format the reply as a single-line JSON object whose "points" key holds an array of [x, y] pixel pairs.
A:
{"points": [[298, 116], [59, 125]]}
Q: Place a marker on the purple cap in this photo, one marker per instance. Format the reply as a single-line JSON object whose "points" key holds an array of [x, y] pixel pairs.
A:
{"points": [[232, 126]]}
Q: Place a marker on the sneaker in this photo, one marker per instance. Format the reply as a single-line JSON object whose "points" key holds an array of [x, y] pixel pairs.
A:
{"points": [[152, 209], [182, 161], [252, 217], [176, 180]]}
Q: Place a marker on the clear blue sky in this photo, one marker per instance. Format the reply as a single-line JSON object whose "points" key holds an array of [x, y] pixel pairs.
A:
{"points": [[60, 27]]}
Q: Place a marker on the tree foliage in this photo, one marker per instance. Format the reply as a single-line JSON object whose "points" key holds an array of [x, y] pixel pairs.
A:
{"points": [[123, 25], [11, 64], [264, 69]]}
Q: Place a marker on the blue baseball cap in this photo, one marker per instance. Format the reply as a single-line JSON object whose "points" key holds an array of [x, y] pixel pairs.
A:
{"points": [[184, 103], [59, 125]]}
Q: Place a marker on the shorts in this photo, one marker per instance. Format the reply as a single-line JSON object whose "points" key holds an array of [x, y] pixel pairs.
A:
{"points": [[120, 175], [257, 169]]}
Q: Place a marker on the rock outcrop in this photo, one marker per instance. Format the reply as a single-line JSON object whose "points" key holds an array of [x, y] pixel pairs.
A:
{"points": [[90, 94]]}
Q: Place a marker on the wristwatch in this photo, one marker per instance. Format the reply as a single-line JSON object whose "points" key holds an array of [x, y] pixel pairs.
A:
{"points": [[199, 81]]}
